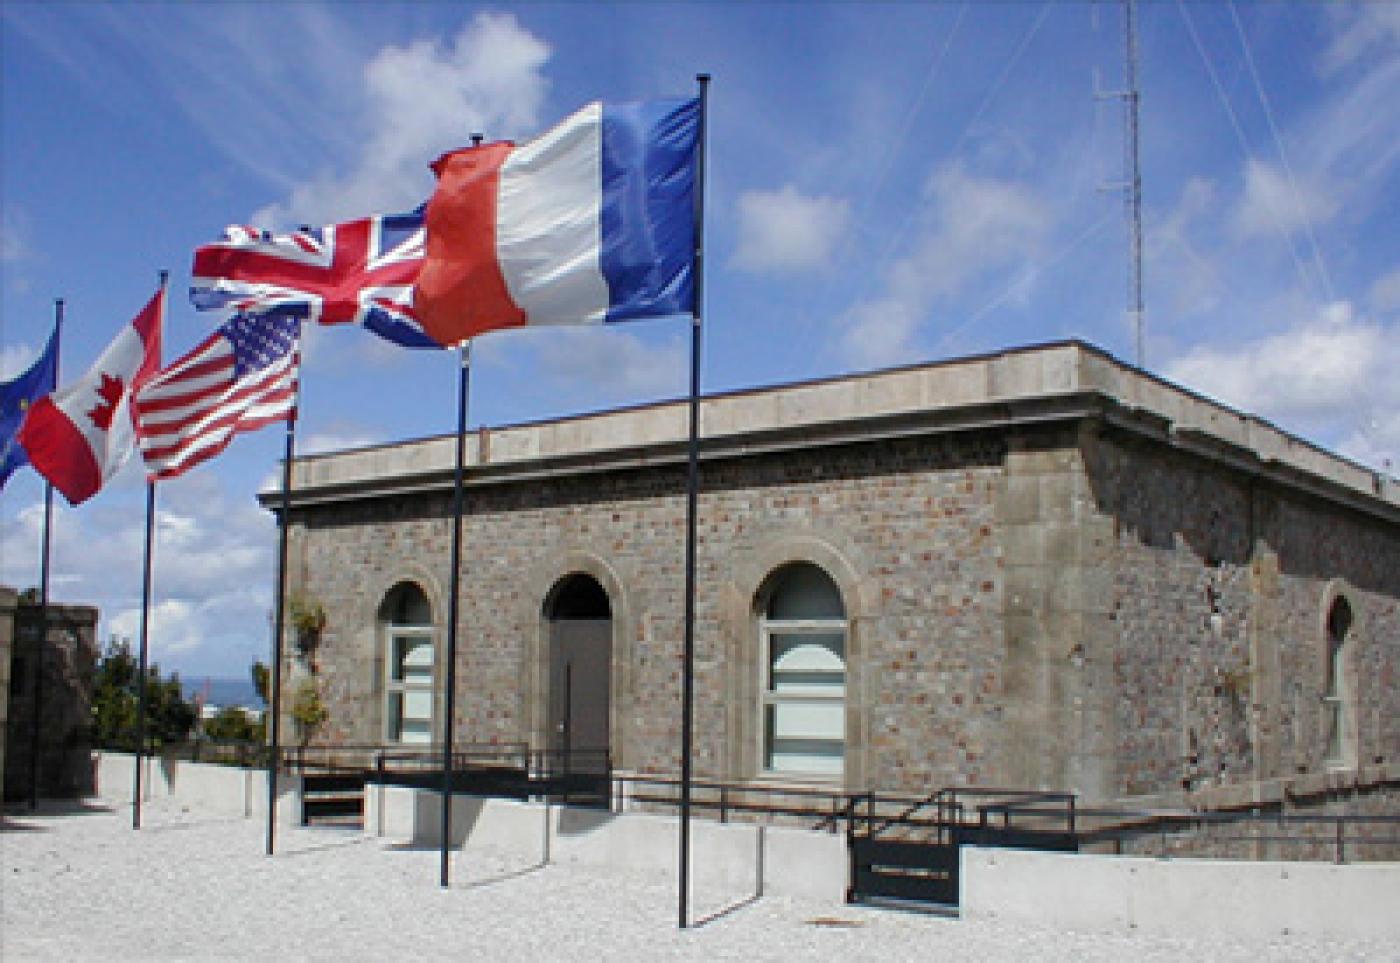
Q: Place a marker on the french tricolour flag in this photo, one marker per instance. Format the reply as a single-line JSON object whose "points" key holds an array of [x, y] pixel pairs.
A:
{"points": [[591, 221]]}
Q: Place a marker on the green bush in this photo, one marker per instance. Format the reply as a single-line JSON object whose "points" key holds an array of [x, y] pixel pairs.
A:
{"points": [[169, 718]]}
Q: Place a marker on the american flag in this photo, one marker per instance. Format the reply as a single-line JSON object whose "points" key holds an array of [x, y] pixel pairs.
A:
{"points": [[356, 272], [241, 377]]}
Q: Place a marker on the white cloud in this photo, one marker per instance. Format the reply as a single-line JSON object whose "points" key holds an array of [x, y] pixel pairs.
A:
{"points": [[15, 358], [785, 230], [1385, 292], [333, 439], [974, 228], [420, 100], [1361, 29], [1270, 204], [173, 622], [1351, 140], [1376, 442], [11, 243], [1174, 250], [604, 365], [1331, 375], [213, 565]]}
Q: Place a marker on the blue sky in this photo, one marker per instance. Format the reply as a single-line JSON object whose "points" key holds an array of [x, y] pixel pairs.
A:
{"points": [[888, 184]]}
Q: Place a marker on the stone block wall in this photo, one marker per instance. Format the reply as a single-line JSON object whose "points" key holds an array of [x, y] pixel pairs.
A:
{"points": [[1063, 605], [1220, 588], [907, 529], [1316, 556], [61, 663]]}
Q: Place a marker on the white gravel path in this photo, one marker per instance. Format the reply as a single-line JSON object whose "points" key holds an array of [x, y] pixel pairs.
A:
{"points": [[82, 885]]}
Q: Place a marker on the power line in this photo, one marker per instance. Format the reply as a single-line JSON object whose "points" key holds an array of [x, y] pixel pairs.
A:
{"points": [[897, 237], [1282, 154], [1239, 132]]}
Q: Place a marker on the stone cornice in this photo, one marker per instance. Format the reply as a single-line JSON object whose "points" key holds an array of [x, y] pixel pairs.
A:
{"points": [[1059, 382]]}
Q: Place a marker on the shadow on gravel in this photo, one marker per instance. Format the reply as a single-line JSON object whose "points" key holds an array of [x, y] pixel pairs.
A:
{"points": [[323, 847], [476, 883], [51, 807], [159, 827], [718, 915], [505, 877]]}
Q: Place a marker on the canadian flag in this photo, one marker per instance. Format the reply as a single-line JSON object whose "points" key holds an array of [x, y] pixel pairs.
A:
{"points": [[79, 437]]}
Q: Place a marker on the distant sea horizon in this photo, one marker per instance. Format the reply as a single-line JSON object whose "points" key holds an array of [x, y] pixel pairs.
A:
{"points": [[222, 692]]}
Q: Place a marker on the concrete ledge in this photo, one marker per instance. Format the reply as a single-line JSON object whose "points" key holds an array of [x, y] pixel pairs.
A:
{"points": [[1020, 386], [746, 858], [1265, 792], [1181, 897], [222, 790]]}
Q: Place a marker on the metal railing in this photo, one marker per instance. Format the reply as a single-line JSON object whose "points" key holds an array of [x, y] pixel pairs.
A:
{"points": [[1260, 832], [827, 809], [1278, 833]]}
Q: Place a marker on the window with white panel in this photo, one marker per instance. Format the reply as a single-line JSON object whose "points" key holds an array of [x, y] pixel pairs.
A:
{"points": [[408, 689], [410, 665], [803, 647]]}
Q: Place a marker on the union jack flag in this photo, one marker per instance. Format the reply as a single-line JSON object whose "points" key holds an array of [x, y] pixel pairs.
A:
{"points": [[358, 271]]}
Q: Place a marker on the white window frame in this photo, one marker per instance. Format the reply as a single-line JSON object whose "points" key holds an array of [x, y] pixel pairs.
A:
{"points": [[771, 700], [1334, 704], [403, 688]]}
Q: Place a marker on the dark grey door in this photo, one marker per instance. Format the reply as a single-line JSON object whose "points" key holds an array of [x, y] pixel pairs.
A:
{"points": [[580, 669]]}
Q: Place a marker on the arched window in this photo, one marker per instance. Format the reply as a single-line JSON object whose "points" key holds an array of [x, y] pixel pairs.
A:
{"points": [[409, 663], [1339, 621], [802, 629]]}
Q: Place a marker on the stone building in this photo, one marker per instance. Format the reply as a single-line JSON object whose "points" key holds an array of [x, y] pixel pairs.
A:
{"points": [[1040, 568], [51, 673]]}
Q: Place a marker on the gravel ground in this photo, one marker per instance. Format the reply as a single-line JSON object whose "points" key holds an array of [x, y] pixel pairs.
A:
{"points": [[77, 883]]}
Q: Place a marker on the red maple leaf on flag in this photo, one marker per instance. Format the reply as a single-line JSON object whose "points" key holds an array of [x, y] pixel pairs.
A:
{"points": [[110, 391]]}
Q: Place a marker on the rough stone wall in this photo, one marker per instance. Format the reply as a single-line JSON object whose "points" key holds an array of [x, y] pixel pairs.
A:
{"points": [[347, 558], [1327, 827], [1320, 554], [64, 667], [1061, 607], [8, 603], [1179, 613], [1219, 590], [906, 528], [1059, 731]]}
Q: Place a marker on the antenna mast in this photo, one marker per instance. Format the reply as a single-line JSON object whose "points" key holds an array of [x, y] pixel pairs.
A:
{"points": [[1131, 98], [1131, 185]]}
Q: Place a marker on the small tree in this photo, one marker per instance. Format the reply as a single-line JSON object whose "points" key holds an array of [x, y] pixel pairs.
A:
{"points": [[115, 702], [262, 681], [114, 697], [232, 724], [308, 709]]}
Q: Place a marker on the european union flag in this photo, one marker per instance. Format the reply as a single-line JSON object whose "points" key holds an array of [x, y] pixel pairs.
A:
{"points": [[15, 398]]}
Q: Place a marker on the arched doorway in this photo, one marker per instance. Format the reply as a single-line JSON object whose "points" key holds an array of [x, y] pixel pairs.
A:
{"points": [[580, 675]]}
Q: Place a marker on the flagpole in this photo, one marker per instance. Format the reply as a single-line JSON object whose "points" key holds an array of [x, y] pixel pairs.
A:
{"points": [[454, 578], [454, 606], [37, 699], [142, 681], [279, 619], [692, 490], [141, 700]]}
